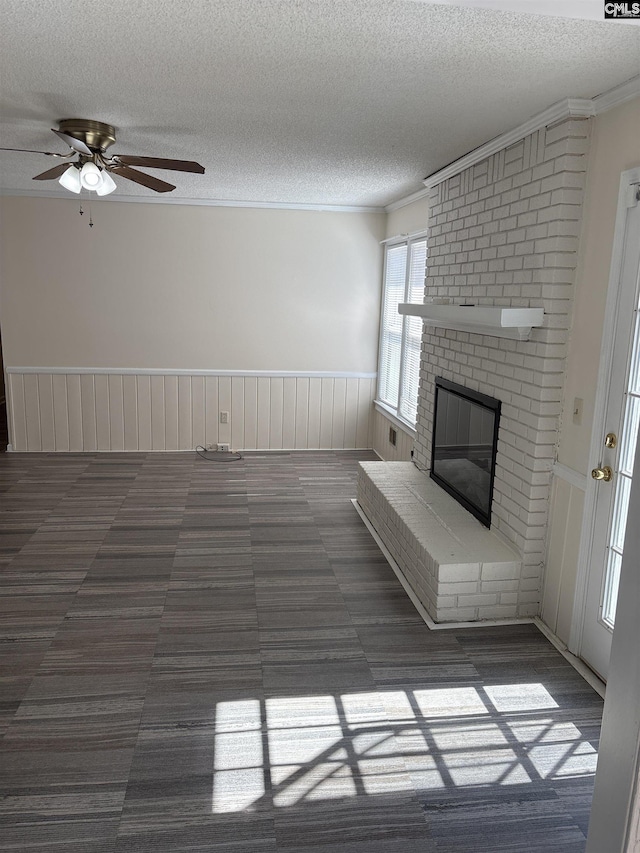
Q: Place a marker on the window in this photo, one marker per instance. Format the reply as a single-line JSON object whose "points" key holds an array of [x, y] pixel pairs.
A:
{"points": [[400, 336]]}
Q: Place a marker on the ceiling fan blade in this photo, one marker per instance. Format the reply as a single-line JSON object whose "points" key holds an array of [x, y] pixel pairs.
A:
{"points": [[74, 143], [31, 151], [161, 163], [52, 174], [140, 178]]}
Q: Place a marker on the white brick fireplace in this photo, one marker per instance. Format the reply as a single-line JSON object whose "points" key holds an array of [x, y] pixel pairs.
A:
{"points": [[504, 232]]}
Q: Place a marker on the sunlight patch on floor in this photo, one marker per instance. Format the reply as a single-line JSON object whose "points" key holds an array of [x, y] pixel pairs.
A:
{"points": [[309, 748]]}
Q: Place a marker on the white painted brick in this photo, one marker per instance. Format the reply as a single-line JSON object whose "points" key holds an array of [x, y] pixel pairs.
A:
{"points": [[501, 586], [567, 128], [500, 571], [445, 602], [464, 588], [567, 196], [497, 611], [502, 186], [540, 202], [477, 600], [510, 196], [525, 247], [556, 244], [519, 207], [556, 181], [543, 170], [458, 614], [570, 163], [570, 145], [461, 572], [564, 228], [522, 178]]}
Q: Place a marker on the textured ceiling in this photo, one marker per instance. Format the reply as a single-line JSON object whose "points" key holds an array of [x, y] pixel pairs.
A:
{"points": [[348, 102]]}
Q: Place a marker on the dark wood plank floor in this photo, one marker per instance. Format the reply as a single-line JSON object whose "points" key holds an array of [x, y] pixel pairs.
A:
{"points": [[216, 657]]}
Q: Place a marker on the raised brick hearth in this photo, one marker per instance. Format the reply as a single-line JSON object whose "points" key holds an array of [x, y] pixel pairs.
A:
{"points": [[459, 570]]}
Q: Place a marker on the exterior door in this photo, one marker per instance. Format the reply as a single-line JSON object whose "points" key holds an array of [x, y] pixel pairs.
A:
{"points": [[613, 460]]}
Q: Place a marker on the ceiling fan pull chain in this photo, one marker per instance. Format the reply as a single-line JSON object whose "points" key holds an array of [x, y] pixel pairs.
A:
{"points": [[90, 215]]}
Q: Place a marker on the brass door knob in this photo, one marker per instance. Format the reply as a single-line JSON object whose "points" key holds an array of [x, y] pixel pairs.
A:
{"points": [[605, 473]]}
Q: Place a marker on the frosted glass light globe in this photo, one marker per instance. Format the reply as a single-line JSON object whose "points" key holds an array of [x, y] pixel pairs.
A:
{"points": [[107, 184], [90, 176], [70, 180]]}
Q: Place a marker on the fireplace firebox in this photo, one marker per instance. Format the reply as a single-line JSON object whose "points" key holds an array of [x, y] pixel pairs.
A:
{"points": [[464, 446]]}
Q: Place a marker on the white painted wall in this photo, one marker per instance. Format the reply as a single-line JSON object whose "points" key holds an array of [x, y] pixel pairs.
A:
{"points": [[172, 286], [409, 218], [169, 288]]}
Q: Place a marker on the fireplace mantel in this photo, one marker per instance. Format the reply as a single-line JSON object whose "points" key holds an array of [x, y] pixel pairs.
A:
{"points": [[501, 322]]}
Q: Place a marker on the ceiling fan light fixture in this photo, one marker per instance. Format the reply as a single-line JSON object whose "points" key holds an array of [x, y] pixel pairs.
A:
{"points": [[90, 176], [71, 180], [107, 185], [88, 140]]}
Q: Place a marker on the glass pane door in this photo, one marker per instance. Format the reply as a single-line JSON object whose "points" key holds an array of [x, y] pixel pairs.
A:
{"points": [[623, 475]]}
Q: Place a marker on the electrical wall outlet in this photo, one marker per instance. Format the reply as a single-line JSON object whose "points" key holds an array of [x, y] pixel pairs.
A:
{"points": [[224, 448], [224, 417]]}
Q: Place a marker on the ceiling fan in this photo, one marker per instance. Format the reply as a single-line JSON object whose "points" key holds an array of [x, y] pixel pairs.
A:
{"points": [[89, 140]]}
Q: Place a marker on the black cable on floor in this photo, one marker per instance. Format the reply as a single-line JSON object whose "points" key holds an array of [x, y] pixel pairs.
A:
{"points": [[217, 455]]}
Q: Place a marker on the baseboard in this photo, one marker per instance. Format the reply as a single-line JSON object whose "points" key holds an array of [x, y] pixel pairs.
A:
{"points": [[581, 668]]}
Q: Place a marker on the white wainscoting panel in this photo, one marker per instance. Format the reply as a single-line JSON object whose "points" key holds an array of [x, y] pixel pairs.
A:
{"points": [[54, 410], [563, 547]]}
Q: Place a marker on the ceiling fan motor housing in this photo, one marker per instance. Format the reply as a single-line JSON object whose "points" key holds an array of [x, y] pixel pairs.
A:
{"points": [[96, 134]]}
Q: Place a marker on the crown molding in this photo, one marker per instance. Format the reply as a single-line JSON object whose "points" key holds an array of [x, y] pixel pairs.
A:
{"points": [[409, 199], [562, 110], [619, 95], [195, 202]]}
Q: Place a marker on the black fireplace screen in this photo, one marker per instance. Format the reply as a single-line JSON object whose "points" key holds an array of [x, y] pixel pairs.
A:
{"points": [[464, 444]]}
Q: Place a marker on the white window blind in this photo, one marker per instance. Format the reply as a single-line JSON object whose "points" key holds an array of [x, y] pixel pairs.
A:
{"points": [[400, 336]]}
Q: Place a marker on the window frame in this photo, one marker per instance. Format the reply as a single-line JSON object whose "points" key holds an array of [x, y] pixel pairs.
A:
{"points": [[393, 412]]}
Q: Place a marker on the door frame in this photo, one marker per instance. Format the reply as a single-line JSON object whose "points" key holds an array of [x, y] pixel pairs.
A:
{"points": [[628, 179]]}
